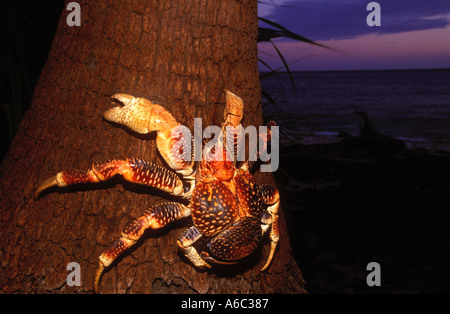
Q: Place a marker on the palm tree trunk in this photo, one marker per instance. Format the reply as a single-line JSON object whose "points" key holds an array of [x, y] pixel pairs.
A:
{"points": [[183, 53]]}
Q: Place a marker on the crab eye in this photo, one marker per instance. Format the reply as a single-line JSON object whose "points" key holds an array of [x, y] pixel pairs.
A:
{"points": [[186, 187]]}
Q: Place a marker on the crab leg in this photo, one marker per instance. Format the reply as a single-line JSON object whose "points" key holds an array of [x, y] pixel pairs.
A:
{"points": [[131, 169], [185, 241], [271, 197], [154, 218]]}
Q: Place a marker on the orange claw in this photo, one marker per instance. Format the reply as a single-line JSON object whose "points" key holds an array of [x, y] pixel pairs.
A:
{"points": [[143, 116], [140, 114]]}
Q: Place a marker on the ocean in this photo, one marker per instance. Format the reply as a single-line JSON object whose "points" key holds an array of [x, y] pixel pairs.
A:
{"points": [[411, 105]]}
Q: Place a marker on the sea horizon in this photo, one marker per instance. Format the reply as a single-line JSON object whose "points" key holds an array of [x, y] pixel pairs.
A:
{"points": [[359, 70], [412, 105]]}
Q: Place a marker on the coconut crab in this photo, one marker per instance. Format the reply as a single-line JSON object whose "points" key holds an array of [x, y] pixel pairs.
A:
{"points": [[225, 204]]}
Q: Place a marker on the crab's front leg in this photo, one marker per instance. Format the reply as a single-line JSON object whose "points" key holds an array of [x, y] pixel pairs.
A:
{"points": [[154, 218], [143, 116]]}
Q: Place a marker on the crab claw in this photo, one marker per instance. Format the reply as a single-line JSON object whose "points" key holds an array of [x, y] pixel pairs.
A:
{"points": [[139, 114], [143, 116], [132, 114], [123, 98]]}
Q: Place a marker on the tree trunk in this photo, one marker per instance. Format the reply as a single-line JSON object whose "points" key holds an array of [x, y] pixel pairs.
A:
{"points": [[184, 53]]}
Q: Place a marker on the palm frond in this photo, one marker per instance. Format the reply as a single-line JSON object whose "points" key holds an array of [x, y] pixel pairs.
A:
{"points": [[267, 34]]}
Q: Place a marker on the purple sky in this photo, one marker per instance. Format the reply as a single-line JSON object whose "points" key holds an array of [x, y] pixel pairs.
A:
{"points": [[414, 34]]}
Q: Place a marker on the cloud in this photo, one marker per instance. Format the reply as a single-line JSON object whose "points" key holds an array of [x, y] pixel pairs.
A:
{"points": [[331, 19], [411, 50]]}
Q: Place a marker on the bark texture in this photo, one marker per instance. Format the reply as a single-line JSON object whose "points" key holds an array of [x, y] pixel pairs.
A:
{"points": [[182, 53]]}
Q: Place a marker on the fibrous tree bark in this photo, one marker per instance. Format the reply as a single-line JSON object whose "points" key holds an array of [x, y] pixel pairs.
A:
{"points": [[181, 53]]}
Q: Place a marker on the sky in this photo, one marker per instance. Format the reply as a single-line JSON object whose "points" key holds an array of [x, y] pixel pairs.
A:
{"points": [[414, 34]]}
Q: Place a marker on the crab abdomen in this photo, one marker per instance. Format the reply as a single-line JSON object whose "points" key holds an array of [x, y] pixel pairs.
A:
{"points": [[237, 241], [213, 207]]}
